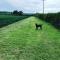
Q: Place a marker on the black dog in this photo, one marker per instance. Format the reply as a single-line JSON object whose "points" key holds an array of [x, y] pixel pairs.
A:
{"points": [[38, 26]]}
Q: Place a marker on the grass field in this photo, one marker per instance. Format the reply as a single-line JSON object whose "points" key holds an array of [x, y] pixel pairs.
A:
{"points": [[21, 41], [8, 19]]}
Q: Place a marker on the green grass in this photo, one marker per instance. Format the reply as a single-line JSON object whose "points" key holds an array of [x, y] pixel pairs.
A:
{"points": [[8, 19], [21, 41], [11, 17]]}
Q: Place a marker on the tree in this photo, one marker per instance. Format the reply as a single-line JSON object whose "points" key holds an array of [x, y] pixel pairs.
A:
{"points": [[20, 13], [15, 12]]}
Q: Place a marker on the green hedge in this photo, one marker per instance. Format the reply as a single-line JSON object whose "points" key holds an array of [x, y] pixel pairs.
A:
{"points": [[53, 18]]}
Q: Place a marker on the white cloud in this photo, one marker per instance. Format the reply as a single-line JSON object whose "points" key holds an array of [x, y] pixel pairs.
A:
{"points": [[23, 3], [52, 5], [34, 5]]}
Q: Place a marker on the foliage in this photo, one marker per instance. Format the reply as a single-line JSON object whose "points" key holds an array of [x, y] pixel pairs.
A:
{"points": [[53, 18], [15, 12], [20, 13]]}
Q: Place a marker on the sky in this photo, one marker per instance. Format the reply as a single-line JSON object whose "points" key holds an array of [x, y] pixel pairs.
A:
{"points": [[30, 6]]}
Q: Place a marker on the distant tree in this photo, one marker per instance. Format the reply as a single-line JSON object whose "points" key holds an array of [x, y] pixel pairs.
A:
{"points": [[20, 13], [15, 12]]}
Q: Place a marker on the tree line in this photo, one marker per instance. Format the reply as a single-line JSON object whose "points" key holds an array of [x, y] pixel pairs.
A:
{"points": [[15, 12]]}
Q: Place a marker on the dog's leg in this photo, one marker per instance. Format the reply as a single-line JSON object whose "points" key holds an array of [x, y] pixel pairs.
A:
{"points": [[41, 27]]}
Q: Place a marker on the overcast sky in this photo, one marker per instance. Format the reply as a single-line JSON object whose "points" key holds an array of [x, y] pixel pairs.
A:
{"points": [[30, 6]]}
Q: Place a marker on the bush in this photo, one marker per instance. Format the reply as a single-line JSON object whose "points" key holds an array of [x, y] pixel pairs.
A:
{"points": [[53, 18]]}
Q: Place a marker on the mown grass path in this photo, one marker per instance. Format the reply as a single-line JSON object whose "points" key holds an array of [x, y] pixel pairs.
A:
{"points": [[21, 41]]}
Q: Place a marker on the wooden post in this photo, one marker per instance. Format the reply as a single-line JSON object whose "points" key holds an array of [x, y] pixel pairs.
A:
{"points": [[43, 9]]}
